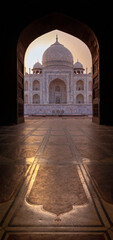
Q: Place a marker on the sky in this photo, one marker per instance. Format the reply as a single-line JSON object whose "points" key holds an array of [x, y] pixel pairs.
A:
{"points": [[79, 49]]}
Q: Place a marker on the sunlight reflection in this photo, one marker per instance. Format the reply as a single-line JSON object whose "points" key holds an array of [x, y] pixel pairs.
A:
{"points": [[29, 160], [86, 160]]}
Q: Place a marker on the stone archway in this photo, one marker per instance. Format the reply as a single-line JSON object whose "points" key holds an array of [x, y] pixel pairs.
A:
{"points": [[57, 92], [69, 25]]}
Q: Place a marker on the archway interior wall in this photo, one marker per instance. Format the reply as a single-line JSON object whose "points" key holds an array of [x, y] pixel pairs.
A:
{"points": [[71, 26]]}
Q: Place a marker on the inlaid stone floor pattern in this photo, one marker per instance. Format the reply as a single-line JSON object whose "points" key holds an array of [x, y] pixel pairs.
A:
{"points": [[56, 180]]}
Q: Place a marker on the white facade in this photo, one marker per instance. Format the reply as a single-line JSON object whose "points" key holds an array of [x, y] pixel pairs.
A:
{"points": [[58, 87]]}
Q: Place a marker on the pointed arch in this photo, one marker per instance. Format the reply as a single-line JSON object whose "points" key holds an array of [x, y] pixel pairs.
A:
{"points": [[26, 85], [79, 85], [36, 85], [72, 26], [57, 92], [80, 98], [36, 99], [90, 85], [90, 98], [26, 98]]}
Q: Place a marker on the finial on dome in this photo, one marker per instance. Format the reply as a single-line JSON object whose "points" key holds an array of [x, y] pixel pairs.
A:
{"points": [[56, 38]]}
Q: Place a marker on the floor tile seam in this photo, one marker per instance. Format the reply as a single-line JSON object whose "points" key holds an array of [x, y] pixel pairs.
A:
{"points": [[105, 161], [19, 141], [31, 144], [74, 150], [8, 151], [11, 160], [55, 135], [16, 194], [43, 143], [51, 160], [15, 162], [57, 164], [32, 181], [39, 135], [91, 194], [82, 129], [38, 144], [99, 199], [99, 145], [35, 122], [98, 231], [30, 134], [18, 129], [17, 201], [39, 156], [106, 235], [39, 128], [98, 194], [52, 229], [73, 229], [5, 159], [80, 143], [33, 130], [83, 183], [59, 144]]}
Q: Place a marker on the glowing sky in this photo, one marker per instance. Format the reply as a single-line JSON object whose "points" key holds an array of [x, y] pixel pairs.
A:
{"points": [[79, 49]]}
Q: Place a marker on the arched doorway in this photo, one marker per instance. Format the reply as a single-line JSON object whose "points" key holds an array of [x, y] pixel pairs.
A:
{"points": [[80, 98], [36, 99], [57, 92], [80, 85], [71, 26], [36, 85]]}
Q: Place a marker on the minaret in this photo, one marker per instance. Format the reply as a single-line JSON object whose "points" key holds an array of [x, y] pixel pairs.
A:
{"points": [[86, 70], [56, 38]]}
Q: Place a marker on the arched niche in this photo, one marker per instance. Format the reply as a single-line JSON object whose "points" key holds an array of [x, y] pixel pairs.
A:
{"points": [[57, 92], [26, 99], [90, 98], [36, 99], [90, 85], [26, 85], [79, 85], [36, 85], [80, 99]]}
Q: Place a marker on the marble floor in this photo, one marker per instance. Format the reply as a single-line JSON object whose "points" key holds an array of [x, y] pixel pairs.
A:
{"points": [[56, 180]]}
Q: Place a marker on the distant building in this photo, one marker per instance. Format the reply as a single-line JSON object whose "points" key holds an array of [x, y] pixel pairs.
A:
{"points": [[58, 87]]}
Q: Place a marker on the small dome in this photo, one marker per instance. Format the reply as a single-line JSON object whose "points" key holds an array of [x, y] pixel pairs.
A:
{"points": [[37, 65], [57, 55], [78, 65]]}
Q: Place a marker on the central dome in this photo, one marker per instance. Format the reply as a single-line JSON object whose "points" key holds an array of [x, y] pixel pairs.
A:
{"points": [[57, 55]]}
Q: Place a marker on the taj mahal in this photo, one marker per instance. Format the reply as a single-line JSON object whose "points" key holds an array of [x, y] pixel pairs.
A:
{"points": [[58, 86]]}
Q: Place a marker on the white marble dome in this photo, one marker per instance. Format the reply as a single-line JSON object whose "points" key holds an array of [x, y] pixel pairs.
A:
{"points": [[78, 65], [57, 55], [37, 65]]}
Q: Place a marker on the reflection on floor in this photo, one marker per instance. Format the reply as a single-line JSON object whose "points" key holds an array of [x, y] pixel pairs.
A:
{"points": [[56, 180]]}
